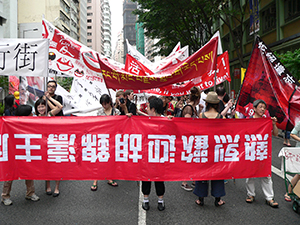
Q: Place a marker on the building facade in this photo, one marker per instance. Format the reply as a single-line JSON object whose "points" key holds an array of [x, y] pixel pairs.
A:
{"points": [[64, 14], [129, 21], [118, 54], [279, 28]]}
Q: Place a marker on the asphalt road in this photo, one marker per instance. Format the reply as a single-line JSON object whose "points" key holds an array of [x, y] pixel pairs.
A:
{"points": [[108, 205]]}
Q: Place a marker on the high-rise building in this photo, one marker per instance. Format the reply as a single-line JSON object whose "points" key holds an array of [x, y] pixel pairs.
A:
{"points": [[129, 21], [8, 19], [64, 14], [99, 26], [119, 49]]}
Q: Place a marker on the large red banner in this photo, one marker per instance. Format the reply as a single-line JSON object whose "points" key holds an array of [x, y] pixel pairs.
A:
{"points": [[201, 62], [267, 78], [136, 148]]}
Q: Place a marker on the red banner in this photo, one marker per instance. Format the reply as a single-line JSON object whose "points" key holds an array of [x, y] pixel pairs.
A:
{"points": [[204, 81], [136, 148], [266, 78], [202, 61]]}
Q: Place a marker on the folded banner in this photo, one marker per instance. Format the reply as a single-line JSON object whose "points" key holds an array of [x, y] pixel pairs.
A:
{"points": [[24, 57], [202, 61], [136, 148], [267, 78]]}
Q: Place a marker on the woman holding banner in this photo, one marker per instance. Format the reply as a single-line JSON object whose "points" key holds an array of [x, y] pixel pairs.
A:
{"points": [[40, 107], [188, 111], [217, 186], [106, 110]]}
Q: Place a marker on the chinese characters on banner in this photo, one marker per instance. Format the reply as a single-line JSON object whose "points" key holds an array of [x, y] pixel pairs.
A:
{"points": [[201, 62], [155, 148], [24, 57], [266, 78]]}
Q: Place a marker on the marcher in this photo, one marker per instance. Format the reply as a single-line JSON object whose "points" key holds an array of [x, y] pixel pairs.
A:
{"points": [[17, 99], [121, 103], [131, 106], [188, 111], [154, 108], [222, 108], [217, 186], [22, 110], [42, 110], [51, 88], [9, 102], [260, 107], [287, 137], [106, 110]]}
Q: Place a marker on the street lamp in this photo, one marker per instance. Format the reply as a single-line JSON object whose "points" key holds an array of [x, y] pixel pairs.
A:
{"points": [[34, 29]]}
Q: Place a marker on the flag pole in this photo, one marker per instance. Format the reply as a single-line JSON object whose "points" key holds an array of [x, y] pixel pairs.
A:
{"points": [[98, 58]]}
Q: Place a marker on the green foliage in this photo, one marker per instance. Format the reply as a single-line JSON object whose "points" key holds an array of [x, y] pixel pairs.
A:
{"points": [[190, 22], [291, 60], [65, 82], [1, 109], [4, 83]]}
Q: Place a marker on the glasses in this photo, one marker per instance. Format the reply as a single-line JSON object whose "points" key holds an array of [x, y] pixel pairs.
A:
{"points": [[51, 86]]}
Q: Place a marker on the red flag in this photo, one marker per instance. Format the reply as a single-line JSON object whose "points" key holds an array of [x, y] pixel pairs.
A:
{"points": [[133, 66], [203, 81], [266, 78], [202, 61]]}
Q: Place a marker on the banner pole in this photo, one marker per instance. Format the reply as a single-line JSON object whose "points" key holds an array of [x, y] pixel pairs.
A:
{"points": [[98, 58]]}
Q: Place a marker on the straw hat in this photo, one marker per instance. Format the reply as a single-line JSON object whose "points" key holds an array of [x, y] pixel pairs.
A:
{"points": [[17, 95], [212, 98]]}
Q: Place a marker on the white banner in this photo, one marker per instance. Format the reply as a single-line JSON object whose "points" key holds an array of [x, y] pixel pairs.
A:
{"points": [[24, 57]]}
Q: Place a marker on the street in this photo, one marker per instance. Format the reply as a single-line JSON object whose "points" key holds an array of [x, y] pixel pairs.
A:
{"points": [[77, 204]]}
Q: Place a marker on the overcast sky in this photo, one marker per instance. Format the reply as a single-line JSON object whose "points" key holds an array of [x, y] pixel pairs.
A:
{"points": [[116, 8]]}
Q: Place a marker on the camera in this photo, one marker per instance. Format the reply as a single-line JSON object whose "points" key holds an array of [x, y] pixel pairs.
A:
{"points": [[122, 100]]}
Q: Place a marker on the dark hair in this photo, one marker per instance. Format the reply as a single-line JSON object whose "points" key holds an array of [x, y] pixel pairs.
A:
{"points": [[8, 103], [210, 105], [38, 102], [256, 102], [195, 94], [221, 91], [105, 98], [23, 110], [53, 82], [157, 104], [128, 92]]}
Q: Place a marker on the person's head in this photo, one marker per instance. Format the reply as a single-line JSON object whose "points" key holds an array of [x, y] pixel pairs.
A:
{"points": [[129, 94], [259, 107], [9, 101], [179, 104], [106, 101], [24, 110], [120, 95], [40, 107], [212, 101], [221, 91], [155, 107], [51, 86], [195, 95]]}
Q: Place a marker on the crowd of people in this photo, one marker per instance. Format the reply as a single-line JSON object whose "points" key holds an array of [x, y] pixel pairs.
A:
{"points": [[198, 104]]}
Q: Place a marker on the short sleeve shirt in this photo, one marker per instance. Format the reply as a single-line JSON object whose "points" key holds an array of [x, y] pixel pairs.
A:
{"points": [[296, 131]]}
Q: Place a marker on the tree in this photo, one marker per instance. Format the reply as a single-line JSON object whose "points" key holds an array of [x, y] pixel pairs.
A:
{"points": [[190, 22], [291, 60]]}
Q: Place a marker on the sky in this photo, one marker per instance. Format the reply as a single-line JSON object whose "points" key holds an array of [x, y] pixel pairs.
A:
{"points": [[116, 8]]}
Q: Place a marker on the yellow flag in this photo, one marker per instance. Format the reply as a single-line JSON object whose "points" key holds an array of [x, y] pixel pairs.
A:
{"points": [[243, 71]]}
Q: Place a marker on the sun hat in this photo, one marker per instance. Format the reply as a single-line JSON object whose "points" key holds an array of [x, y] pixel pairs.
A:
{"points": [[17, 95], [256, 102], [212, 98]]}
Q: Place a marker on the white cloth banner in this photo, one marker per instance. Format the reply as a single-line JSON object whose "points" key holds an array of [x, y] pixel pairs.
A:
{"points": [[24, 57], [291, 157]]}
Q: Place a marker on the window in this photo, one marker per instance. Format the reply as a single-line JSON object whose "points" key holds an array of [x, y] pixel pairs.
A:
{"points": [[89, 34], [89, 40], [291, 9], [89, 1], [89, 8], [89, 14], [268, 18], [89, 20], [89, 27]]}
